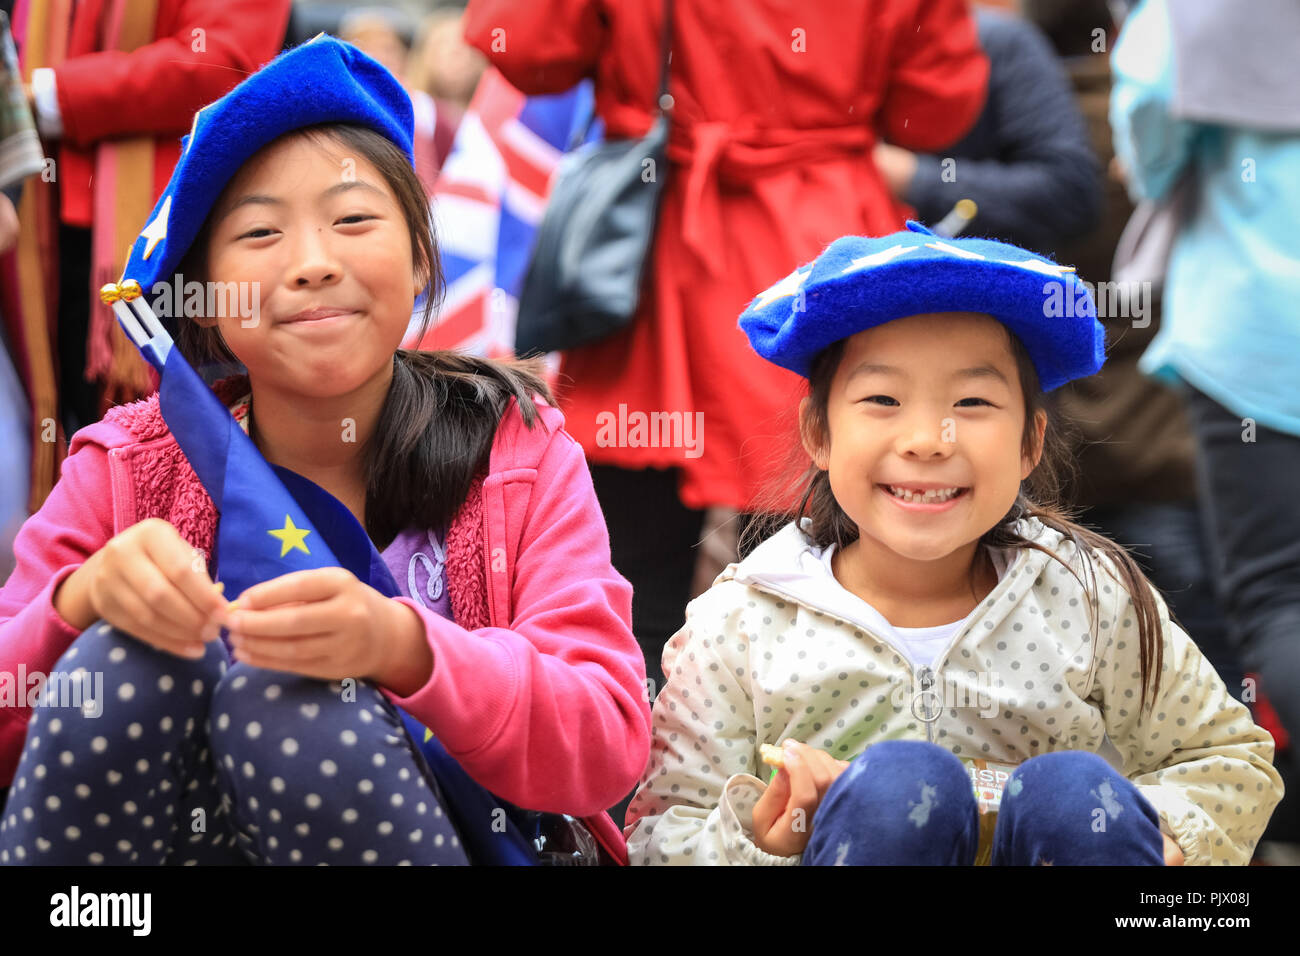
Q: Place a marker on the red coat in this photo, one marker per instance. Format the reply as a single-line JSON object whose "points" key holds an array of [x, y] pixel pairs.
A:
{"points": [[777, 109], [156, 89]]}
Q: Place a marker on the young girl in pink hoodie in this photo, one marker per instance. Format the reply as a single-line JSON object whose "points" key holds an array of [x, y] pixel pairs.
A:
{"points": [[284, 742]]}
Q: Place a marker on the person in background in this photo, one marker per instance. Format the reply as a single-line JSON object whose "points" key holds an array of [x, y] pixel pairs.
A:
{"points": [[114, 85], [384, 34], [1027, 164], [442, 64], [1136, 457], [773, 120], [1207, 123]]}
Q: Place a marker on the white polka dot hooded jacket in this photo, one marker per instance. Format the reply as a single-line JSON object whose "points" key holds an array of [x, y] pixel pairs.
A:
{"points": [[761, 659]]}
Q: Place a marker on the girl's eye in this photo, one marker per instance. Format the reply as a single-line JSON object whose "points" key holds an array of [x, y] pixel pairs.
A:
{"points": [[881, 400], [979, 400], [256, 233], [358, 217]]}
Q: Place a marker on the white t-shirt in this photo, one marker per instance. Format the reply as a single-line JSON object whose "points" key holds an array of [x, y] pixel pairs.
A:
{"points": [[921, 644]]}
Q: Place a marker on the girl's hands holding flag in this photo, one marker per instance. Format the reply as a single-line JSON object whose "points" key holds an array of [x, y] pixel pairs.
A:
{"points": [[325, 623], [150, 583]]}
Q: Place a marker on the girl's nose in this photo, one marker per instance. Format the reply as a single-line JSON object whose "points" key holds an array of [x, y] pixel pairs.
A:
{"points": [[314, 264], [925, 438]]}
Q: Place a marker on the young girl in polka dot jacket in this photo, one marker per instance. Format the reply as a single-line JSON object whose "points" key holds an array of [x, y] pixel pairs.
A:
{"points": [[933, 615], [511, 641]]}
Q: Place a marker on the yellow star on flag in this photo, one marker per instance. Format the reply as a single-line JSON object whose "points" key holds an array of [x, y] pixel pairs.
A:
{"points": [[156, 231], [290, 537]]}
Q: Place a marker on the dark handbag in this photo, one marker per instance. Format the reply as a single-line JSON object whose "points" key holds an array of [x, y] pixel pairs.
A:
{"points": [[584, 280]]}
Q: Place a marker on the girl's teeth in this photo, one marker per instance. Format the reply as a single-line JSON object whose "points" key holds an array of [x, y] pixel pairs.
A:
{"points": [[929, 497]]}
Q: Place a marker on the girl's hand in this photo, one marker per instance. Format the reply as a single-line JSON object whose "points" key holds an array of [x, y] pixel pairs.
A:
{"points": [[783, 815], [150, 583], [897, 167], [1173, 852], [325, 623]]}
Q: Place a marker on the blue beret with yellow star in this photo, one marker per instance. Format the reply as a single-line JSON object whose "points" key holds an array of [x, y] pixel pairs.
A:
{"points": [[860, 282], [321, 81]]}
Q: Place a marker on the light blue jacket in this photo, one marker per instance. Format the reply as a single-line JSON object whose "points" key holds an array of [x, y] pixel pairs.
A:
{"points": [[1231, 325]]}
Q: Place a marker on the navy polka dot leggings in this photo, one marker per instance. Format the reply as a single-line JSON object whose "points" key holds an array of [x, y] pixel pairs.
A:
{"points": [[214, 762]]}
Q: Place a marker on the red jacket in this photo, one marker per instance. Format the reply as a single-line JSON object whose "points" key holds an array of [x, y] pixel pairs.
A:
{"points": [[156, 89], [777, 109], [538, 684]]}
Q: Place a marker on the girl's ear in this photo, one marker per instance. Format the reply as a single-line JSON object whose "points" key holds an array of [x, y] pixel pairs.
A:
{"points": [[421, 273], [813, 441], [1040, 427]]}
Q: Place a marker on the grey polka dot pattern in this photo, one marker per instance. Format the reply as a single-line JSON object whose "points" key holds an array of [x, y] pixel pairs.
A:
{"points": [[761, 659], [202, 762]]}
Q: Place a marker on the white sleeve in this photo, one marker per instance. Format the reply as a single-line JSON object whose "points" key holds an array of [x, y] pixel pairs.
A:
{"points": [[696, 799]]}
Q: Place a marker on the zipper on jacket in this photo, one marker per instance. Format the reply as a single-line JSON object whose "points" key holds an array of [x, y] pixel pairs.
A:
{"points": [[121, 491], [927, 715], [925, 675]]}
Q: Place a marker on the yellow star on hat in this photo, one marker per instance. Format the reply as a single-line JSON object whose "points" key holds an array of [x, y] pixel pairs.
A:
{"points": [[290, 537], [156, 231]]}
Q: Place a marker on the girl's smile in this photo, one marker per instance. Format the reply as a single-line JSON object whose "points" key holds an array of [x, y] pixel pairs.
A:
{"points": [[912, 498], [317, 316]]}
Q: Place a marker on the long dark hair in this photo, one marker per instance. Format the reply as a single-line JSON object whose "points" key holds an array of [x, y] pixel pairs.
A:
{"points": [[1039, 497], [435, 431]]}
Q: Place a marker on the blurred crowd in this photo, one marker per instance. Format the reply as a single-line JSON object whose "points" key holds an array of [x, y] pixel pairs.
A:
{"points": [[1153, 145]]}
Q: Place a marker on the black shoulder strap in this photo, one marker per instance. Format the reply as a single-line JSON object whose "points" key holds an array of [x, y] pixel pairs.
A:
{"points": [[665, 50]]}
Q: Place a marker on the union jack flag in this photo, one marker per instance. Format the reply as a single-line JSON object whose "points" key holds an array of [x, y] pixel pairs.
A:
{"points": [[487, 203]]}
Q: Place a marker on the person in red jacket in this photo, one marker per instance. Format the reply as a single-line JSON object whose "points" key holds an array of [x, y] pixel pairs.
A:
{"points": [[774, 119], [114, 85]]}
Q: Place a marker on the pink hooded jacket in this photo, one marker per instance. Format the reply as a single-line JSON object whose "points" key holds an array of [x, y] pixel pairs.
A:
{"points": [[538, 684]]}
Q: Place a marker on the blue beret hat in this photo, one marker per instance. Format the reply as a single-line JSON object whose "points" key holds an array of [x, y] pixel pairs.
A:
{"points": [[321, 81], [860, 282]]}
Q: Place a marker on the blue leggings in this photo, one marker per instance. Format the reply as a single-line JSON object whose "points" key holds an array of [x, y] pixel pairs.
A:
{"points": [[905, 802], [209, 762]]}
